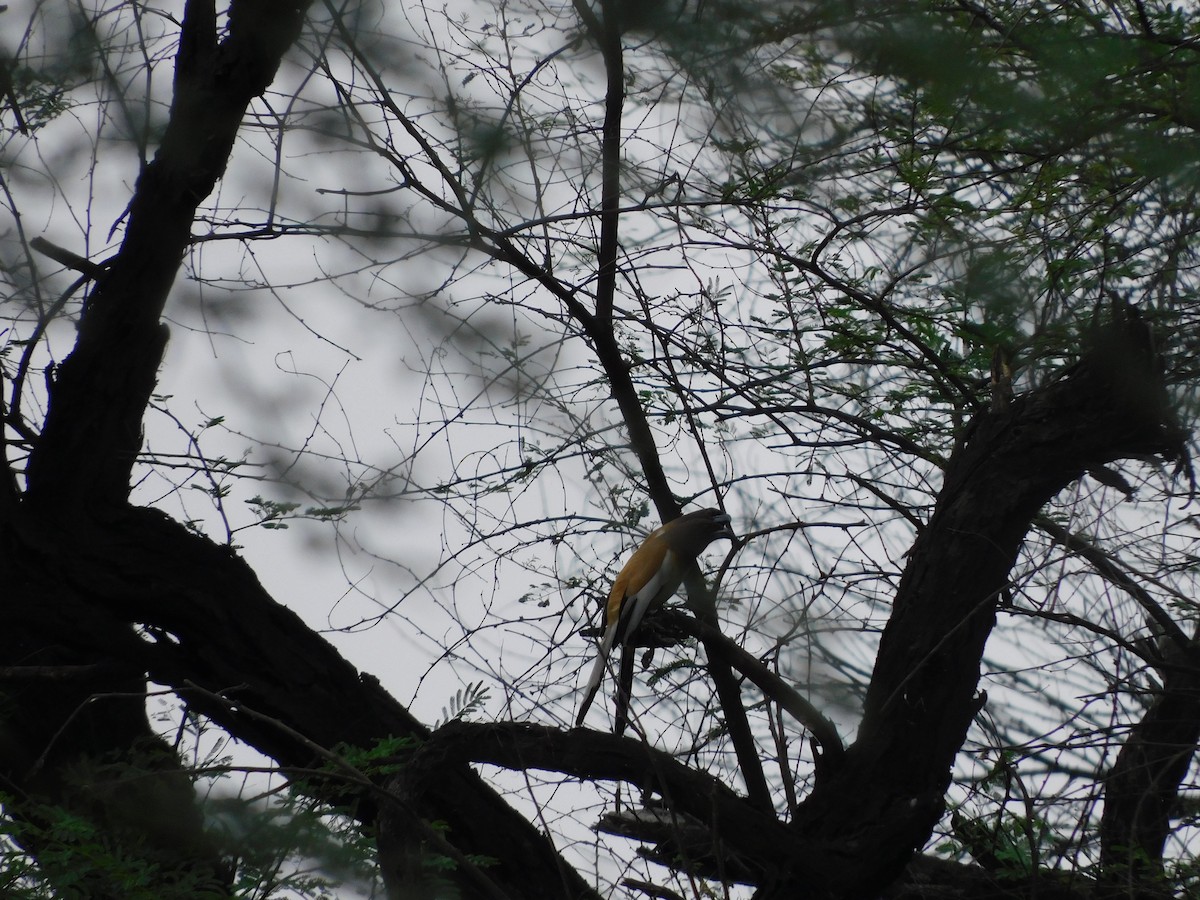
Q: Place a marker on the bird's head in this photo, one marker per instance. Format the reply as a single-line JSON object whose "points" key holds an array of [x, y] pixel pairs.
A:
{"points": [[691, 533]]}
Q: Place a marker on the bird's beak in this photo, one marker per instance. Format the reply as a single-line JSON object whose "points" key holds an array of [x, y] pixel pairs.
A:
{"points": [[726, 530]]}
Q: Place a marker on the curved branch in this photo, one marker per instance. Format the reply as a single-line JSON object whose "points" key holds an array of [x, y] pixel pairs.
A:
{"points": [[922, 695], [774, 687], [593, 756], [1141, 789], [93, 427], [208, 622]]}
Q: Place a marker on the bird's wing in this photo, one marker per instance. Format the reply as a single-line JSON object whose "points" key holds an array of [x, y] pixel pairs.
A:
{"points": [[647, 573], [650, 584]]}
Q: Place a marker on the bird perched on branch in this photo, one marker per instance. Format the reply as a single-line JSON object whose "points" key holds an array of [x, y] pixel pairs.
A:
{"points": [[650, 577]]}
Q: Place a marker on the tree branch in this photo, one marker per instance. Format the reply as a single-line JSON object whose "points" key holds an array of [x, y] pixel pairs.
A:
{"points": [[210, 623], [1141, 789], [756, 837], [888, 794], [774, 687], [93, 432]]}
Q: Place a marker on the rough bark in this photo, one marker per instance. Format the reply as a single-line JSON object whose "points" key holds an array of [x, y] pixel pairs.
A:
{"points": [[1142, 788], [93, 426], [86, 744], [882, 801], [234, 654], [97, 588]]}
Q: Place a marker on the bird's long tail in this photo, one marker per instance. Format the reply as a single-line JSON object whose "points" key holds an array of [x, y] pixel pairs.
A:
{"points": [[624, 689], [593, 684]]}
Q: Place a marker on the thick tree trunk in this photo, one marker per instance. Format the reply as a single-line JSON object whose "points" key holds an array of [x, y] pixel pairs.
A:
{"points": [[259, 672], [75, 734], [1142, 788], [878, 802], [97, 594], [93, 427], [884, 798]]}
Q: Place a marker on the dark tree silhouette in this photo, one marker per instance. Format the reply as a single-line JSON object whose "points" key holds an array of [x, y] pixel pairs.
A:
{"points": [[878, 372]]}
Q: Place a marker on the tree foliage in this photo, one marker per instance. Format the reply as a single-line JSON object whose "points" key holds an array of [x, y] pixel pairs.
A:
{"points": [[906, 288]]}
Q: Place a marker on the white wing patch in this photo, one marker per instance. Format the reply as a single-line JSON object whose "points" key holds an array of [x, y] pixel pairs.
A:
{"points": [[661, 585]]}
